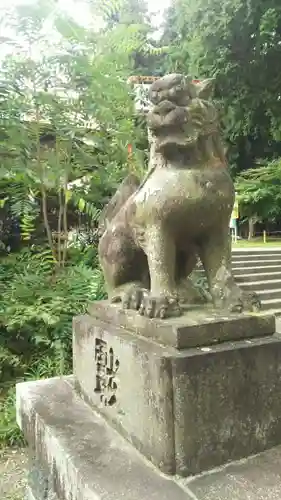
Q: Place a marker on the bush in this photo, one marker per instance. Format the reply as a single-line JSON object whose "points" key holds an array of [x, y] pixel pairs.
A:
{"points": [[37, 304], [10, 433]]}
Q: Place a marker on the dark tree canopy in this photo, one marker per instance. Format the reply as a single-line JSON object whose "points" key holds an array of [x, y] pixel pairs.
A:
{"points": [[239, 43]]}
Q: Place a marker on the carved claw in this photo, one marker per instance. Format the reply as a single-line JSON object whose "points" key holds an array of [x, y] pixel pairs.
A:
{"points": [[159, 307], [139, 299], [247, 301], [134, 297]]}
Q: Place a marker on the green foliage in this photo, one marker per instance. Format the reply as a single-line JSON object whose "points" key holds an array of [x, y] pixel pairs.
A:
{"points": [[259, 191], [37, 304], [132, 16], [239, 44], [10, 433], [67, 116], [67, 113]]}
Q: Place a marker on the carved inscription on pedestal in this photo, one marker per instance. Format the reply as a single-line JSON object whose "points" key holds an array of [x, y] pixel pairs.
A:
{"points": [[106, 368]]}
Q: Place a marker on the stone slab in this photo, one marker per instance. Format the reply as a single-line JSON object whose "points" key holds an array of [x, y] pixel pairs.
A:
{"points": [[257, 478], [78, 449], [199, 326], [129, 380], [38, 481], [186, 410], [84, 458]]}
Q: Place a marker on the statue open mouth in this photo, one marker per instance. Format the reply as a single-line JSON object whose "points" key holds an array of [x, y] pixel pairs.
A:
{"points": [[172, 127], [167, 115], [180, 115]]}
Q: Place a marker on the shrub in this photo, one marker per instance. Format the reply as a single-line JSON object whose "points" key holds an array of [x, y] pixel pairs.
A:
{"points": [[38, 302]]}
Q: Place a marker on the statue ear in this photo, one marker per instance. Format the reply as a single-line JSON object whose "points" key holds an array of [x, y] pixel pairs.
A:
{"points": [[205, 89]]}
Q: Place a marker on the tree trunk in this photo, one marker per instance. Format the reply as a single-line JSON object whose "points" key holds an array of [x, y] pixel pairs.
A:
{"points": [[251, 233]]}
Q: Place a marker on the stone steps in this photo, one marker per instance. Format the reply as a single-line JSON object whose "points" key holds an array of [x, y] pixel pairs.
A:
{"points": [[269, 293], [259, 276], [269, 304], [257, 256], [255, 263], [260, 285], [259, 270]]}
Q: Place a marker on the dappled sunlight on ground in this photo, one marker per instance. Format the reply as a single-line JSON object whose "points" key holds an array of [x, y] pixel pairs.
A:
{"points": [[12, 474]]}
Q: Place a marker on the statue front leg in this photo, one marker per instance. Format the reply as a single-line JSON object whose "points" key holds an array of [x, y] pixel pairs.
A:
{"points": [[162, 301]]}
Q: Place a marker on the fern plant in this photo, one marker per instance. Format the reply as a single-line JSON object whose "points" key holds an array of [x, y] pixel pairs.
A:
{"points": [[66, 115]]}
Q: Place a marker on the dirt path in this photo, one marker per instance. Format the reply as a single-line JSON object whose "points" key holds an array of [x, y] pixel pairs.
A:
{"points": [[12, 474]]}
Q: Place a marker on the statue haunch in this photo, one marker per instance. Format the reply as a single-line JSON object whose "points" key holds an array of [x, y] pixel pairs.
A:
{"points": [[153, 231]]}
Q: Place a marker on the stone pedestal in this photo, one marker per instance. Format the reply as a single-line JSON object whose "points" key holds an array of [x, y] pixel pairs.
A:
{"points": [[186, 410], [143, 385]]}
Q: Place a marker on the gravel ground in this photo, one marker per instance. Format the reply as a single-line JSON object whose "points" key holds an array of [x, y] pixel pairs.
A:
{"points": [[12, 474]]}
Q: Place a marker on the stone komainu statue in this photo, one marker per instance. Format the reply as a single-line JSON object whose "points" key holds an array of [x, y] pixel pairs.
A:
{"points": [[153, 231]]}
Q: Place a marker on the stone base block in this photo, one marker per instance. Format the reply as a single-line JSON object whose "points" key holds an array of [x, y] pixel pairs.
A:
{"points": [[187, 410], [77, 456]]}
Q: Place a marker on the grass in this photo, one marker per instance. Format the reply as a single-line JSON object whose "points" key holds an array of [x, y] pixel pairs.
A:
{"points": [[258, 242], [10, 433]]}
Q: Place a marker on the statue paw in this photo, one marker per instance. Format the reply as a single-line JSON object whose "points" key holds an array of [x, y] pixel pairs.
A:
{"points": [[134, 297], [159, 307], [141, 300], [246, 301]]}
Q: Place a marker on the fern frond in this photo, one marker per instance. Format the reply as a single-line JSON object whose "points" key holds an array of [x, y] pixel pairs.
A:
{"points": [[85, 206]]}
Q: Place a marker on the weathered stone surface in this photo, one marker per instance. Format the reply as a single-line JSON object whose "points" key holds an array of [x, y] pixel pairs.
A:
{"points": [[86, 460], [227, 402], [154, 230], [186, 410], [141, 404], [199, 326], [83, 457], [257, 478], [30, 495], [38, 481]]}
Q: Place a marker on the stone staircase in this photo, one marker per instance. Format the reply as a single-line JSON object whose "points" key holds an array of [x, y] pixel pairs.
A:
{"points": [[259, 270]]}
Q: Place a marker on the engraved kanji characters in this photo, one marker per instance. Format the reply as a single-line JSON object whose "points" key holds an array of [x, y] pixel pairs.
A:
{"points": [[106, 369]]}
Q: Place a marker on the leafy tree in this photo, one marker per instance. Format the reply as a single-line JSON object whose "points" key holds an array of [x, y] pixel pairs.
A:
{"points": [[259, 191], [238, 43], [126, 12], [147, 55], [76, 95]]}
